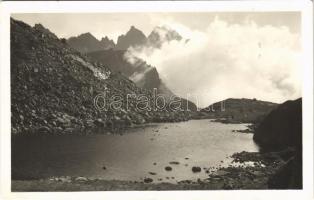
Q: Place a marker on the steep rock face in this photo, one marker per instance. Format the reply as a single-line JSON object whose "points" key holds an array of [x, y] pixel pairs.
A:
{"points": [[240, 110], [86, 42], [133, 37], [282, 127], [53, 88]]}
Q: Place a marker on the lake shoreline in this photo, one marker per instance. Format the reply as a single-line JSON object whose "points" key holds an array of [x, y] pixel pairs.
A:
{"points": [[232, 177]]}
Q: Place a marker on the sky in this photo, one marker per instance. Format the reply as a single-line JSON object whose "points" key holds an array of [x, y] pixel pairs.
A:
{"points": [[235, 54]]}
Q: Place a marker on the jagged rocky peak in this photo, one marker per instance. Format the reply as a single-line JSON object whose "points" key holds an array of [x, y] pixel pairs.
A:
{"points": [[107, 43], [162, 34], [134, 37]]}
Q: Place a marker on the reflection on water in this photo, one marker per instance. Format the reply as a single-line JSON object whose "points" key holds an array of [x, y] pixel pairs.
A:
{"points": [[138, 153]]}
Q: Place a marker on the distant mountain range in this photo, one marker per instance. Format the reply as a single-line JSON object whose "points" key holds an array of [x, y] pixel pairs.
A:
{"points": [[115, 56], [86, 42]]}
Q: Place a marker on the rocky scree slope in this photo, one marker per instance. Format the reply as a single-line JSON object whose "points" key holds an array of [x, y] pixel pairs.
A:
{"points": [[53, 88]]}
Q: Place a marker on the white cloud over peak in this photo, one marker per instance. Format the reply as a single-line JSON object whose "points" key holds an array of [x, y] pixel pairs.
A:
{"points": [[229, 60]]}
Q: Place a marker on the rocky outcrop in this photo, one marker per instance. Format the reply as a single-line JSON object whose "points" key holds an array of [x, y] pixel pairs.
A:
{"points": [[239, 110], [132, 38], [86, 42], [282, 129], [53, 88]]}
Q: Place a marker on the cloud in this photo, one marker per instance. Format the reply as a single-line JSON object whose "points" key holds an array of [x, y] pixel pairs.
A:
{"points": [[229, 60]]}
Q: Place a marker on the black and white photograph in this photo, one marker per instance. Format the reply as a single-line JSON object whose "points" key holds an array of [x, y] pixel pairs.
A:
{"points": [[157, 101]]}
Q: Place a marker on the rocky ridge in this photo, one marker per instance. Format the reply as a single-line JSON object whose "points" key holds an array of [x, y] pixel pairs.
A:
{"points": [[86, 42]]}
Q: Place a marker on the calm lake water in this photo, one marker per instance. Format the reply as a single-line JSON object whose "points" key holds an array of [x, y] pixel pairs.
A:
{"points": [[134, 154]]}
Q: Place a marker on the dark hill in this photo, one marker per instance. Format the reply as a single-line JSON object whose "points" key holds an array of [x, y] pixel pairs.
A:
{"points": [[239, 110]]}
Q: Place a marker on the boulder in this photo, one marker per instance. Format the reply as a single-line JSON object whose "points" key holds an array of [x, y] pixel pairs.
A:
{"points": [[148, 180], [196, 169], [168, 168]]}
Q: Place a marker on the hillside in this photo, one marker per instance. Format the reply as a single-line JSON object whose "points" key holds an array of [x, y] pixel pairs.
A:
{"points": [[239, 110], [53, 88]]}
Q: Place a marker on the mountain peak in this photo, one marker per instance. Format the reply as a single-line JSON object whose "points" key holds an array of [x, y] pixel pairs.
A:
{"points": [[134, 30], [107, 43], [86, 42], [161, 34], [134, 37], [86, 35], [105, 38]]}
